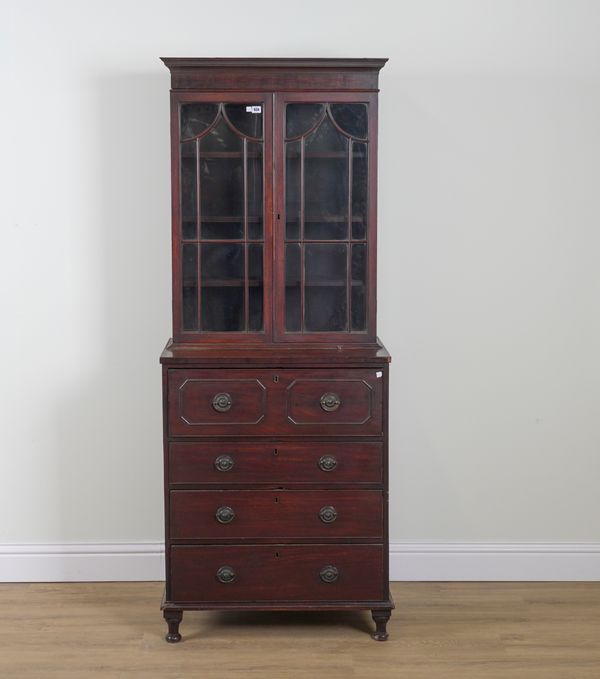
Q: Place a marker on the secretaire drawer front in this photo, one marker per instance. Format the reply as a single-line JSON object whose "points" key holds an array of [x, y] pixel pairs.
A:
{"points": [[217, 402], [252, 402], [273, 463], [289, 514], [335, 402], [263, 573]]}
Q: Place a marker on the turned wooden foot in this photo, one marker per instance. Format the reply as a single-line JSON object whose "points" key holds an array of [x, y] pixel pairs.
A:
{"points": [[173, 617], [381, 618]]}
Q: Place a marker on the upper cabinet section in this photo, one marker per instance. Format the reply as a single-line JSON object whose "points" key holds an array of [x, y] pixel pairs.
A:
{"points": [[274, 199]]}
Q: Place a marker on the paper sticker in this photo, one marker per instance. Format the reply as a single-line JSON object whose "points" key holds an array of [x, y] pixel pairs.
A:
{"points": [[379, 374], [253, 109]]}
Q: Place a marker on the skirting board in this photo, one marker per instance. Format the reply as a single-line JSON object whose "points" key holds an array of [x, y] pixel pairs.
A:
{"points": [[433, 561]]}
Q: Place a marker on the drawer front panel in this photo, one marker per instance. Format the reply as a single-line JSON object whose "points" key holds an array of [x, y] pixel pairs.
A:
{"points": [[261, 573], [345, 401], [206, 400], [235, 514], [280, 462], [330, 401]]}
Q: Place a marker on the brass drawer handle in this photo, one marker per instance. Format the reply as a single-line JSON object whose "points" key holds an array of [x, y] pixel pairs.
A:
{"points": [[327, 463], [224, 463], [226, 574], [225, 514], [330, 402], [329, 574], [328, 514], [222, 402]]}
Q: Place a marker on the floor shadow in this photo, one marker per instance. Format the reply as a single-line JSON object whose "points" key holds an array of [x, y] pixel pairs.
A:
{"points": [[358, 620]]}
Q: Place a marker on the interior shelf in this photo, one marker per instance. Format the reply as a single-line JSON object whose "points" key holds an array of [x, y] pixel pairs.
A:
{"points": [[209, 155], [222, 219], [223, 283], [323, 284], [328, 219]]}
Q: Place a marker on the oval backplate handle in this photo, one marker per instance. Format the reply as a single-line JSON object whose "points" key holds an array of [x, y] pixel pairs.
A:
{"points": [[224, 463], [222, 402], [225, 514], [327, 463], [226, 574], [329, 574], [328, 514], [330, 402]]}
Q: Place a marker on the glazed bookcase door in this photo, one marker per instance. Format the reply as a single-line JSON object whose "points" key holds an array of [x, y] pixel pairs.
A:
{"points": [[325, 169], [222, 216]]}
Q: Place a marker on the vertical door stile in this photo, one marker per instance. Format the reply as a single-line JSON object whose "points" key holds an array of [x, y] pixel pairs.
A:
{"points": [[270, 236], [198, 236], [349, 242], [302, 247], [245, 207]]}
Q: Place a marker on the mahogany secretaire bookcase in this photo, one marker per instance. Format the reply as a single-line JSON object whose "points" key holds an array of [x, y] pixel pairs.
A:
{"points": [[275, 384]]}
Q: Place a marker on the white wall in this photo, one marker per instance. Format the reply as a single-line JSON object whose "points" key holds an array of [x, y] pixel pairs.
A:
{"points": [[489, 247]]}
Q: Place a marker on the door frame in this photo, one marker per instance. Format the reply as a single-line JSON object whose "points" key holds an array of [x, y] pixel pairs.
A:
{"points": [[227, 97], [278, 222]]}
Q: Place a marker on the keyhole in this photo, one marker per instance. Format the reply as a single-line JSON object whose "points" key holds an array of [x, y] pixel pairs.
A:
{"points": [[275, 451], [275, 378], [276, 499], [277, 554]]}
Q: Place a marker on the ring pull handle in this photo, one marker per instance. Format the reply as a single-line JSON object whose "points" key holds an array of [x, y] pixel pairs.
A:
{"points": [[225, 514], [327, 463], [330, 402], [328, 514], [222, 402], [226, 574], [329, 574], [224, 463]]}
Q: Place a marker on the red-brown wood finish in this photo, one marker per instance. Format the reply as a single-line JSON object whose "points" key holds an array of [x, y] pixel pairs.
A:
{"points": [[273, 74], [275, 443], [287, 514], [285, 573], [276, 463], [275, 402]]}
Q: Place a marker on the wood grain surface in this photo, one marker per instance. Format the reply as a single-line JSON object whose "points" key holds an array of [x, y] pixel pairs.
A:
{"points": [[439, 630]]}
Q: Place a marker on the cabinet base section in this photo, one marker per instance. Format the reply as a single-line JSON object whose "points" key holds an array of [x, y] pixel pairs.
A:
{"points": [[380, 611]]}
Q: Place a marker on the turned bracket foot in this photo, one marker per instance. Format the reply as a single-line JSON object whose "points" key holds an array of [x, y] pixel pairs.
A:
{"points": [[173, 617], [381, 618]]}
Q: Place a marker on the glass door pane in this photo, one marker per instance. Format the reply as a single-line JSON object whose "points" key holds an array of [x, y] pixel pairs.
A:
{"points": [[326, 213], [221, 207]]}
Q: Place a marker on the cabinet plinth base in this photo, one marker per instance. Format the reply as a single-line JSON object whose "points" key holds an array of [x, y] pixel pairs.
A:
{"points": [[380, 611]]}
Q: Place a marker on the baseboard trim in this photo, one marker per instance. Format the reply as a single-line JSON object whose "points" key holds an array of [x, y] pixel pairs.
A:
{"points": [[82, 562], [409, 561], [494, 561]]}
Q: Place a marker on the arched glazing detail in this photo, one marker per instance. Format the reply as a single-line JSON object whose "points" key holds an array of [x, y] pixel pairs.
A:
{"points": [[352, 119], [221, 209], [302, 118], [196, 118], [245, 120], [326, 212]]}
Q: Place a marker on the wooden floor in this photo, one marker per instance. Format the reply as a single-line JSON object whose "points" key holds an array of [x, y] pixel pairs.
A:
{"points": [[445, 630]]}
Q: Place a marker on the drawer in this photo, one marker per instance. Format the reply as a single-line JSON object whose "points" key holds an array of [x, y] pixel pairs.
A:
{"points": [[275, 463], [236, 514], [345, 401], [263, 573]]}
